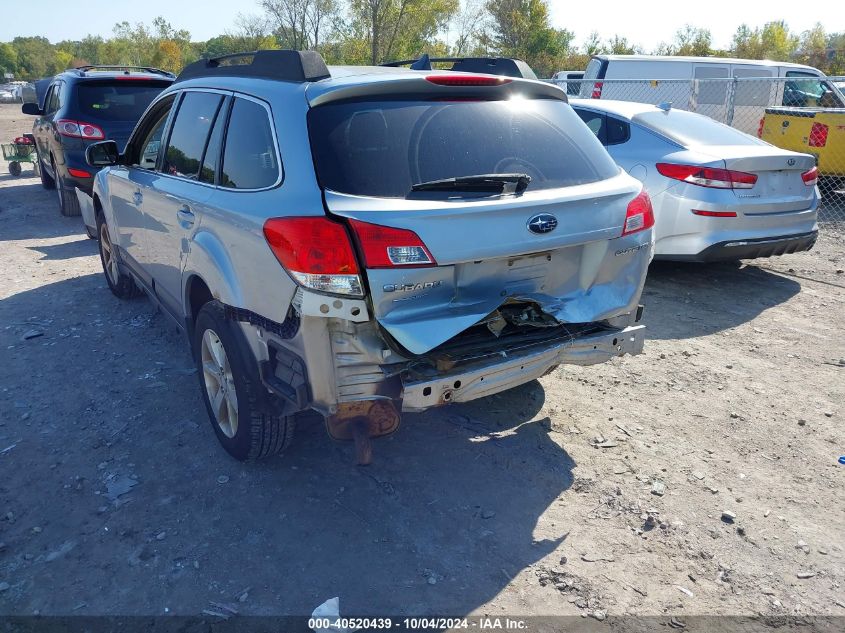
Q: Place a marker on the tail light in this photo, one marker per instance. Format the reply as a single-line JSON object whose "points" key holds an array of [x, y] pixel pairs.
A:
{"points": [[715, 214], [708, 177], [639, 216], [597, 90], [387, 247], [467, 80], [78, 173], [78, 129], [811, 177], [316, 252], [818, 135], [760, 127]]}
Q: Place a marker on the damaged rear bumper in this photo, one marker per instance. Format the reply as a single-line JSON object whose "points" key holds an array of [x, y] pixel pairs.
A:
{"points": [[511, 369]]}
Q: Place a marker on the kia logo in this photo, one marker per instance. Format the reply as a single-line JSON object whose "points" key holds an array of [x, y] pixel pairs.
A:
{"points": [[542, 223]]}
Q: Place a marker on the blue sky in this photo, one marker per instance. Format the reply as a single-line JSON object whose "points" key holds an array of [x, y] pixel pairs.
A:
{"points": [[645, 22]]}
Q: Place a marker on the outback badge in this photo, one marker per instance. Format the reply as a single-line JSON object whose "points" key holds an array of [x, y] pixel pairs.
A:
{"points": [[542, 223]]}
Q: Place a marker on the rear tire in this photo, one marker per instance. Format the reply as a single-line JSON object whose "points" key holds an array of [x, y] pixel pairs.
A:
{"points": [[121, 284], [68, 203], [245, 417], [15, 168]]}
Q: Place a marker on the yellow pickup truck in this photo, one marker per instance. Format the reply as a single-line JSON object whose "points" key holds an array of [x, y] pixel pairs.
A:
{"points": [[816, 131]]}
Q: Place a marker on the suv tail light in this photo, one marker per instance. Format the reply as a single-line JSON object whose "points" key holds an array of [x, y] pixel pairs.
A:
{"points": [[818, 135], [811, 177], [708, 177], [388, 247], [597, 90], [317, 253], [639, 216], [78, 129]]}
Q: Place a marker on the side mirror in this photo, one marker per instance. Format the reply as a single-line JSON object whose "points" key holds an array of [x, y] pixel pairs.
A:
{"points": [[31, 108], [102, 154]]}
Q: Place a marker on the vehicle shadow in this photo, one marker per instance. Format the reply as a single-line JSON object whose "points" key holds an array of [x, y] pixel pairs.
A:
{"points": [[67, 250], [441, 522], [28, 211], [686, 300]]}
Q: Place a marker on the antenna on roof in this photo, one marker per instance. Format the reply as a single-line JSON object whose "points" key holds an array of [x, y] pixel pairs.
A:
{"points": [[665, 106], [423, 63]]}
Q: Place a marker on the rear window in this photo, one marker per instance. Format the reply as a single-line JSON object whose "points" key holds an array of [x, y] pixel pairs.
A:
{"points": [[383, 148], [689, 129], [120, 100]]}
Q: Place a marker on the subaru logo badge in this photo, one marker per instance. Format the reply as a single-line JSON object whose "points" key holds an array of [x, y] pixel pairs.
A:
{"points": [[542, 223], [790, 162]]}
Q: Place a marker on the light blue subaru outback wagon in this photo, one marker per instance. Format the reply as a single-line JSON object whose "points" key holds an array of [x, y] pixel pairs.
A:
{"points": [[364, 241]]}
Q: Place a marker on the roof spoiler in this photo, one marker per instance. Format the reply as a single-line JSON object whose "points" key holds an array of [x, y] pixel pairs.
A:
{"points": [[126, 69], [503, 66], [281, 65]]}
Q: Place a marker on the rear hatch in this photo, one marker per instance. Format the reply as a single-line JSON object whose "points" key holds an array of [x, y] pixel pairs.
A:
{"points": [[115, 104], [385, 160]]}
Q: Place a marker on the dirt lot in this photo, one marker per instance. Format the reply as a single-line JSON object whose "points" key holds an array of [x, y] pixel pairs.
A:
{"points": [[116, 498]]}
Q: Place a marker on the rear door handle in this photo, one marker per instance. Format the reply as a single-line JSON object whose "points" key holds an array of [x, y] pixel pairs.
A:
{"points": [[138, 197], [185, 217]]}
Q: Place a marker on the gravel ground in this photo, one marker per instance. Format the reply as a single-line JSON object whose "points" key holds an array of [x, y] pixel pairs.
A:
{"points": [[595, 489]]}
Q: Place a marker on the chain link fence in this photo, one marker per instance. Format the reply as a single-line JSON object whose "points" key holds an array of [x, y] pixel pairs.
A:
{"points": [[803, 114]]}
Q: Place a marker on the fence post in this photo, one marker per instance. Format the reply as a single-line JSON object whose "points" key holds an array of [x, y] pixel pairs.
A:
{"points": [[729, 114]]}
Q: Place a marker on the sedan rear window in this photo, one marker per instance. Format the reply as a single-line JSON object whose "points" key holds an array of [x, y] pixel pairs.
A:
{"points": [[383, 148], [689, 129], [119, 100]]}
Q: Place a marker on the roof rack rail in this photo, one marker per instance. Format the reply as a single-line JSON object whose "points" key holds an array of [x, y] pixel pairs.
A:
{"points": [[504, 66], [281, 65], [126, 68]]}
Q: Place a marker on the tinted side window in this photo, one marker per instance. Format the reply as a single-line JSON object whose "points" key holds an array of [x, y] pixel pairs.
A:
{"points": [[53, 98], [249, 159], [208, 173], [594, 121], [617, 131], [190, 132]]}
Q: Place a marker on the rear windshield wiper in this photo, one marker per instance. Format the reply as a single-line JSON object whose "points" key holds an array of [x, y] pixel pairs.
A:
{"points": [[493, 183]]}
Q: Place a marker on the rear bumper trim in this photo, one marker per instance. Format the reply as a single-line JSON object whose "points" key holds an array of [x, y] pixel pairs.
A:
{"points": [[752, 249], [498, 374]]}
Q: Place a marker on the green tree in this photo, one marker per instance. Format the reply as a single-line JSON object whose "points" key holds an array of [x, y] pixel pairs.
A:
{"points": [[621, 46], [594, 45], [8, 59], [521, 28], [36, 57]]}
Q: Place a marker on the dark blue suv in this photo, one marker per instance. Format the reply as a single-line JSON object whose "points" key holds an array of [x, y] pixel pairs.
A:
{"points": [[82, 106]]}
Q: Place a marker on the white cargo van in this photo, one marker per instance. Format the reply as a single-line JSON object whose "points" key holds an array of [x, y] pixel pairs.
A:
{"points": [[655, 79]]}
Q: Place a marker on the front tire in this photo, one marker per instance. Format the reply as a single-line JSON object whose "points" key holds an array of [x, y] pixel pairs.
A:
{"points": [[47, 181], [244, 416], [121, 284]]}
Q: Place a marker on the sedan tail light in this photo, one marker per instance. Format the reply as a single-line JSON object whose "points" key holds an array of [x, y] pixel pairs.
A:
{"points": [[639, 216], [79, 129], [388, 247], [317, 253], [707, 176], [818, 135], [811, 177]]}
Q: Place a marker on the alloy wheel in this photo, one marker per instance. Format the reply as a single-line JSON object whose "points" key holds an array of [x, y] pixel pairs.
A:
{"points": [[219, 383]]}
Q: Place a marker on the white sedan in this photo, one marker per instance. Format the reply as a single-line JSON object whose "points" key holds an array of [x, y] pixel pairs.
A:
{"points": [[718, 193]]}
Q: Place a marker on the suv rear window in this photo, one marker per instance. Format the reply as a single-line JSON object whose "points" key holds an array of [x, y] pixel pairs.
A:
{"points": [[383, 148], [116, 100]]}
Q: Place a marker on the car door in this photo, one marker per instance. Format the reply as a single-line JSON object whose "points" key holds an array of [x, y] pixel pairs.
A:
{"points": [[174, 196], [753, 91], [126, 182], [43, 128], [710, 90]]}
